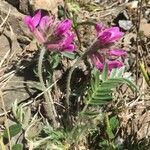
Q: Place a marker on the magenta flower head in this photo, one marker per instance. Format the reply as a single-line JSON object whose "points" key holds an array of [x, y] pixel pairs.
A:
{"points": [[109, 35], [39, 25], [55, 35], [62, 37], [117, 52], [106, 37], [99, 60], [63, 42], [114, 64]]}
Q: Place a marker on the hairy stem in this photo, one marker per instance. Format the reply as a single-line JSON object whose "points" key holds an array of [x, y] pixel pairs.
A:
{"points": [[49, 108]]}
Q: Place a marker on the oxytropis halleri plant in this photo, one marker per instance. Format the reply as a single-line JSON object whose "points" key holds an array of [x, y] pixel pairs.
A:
{"points": [[58, 36], [54, 35]]}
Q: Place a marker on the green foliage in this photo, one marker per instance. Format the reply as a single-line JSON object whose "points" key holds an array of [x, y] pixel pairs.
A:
{"points": [[69, 55], [12, 131], [100, 92], [21, 114], [54, 134], [55, 139], [102, 85], [54, 60], [18, 112], [17, 147], [109, 130], [111, 125], [114, 122]]}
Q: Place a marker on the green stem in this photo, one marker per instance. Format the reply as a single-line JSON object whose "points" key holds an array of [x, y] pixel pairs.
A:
{"points": [[49, 109]]}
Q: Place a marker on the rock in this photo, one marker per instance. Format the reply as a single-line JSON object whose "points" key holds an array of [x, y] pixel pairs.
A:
{"points": [[12, 93], [24, 6], [49, 5], [97, 1], [123, 21], [147, 13], [11, 90], [21, 5], [122, 16], [27, 6], [11, 49], [5, 8], [15, 20], [14, 3], [17, 88], [14, 17], [125, 24], [4, 46]]}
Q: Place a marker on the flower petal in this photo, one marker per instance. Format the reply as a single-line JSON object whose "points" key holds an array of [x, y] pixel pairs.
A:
{"points": [[99, 27], [53, 47], [69, 48], [97, 60], [110, 35], [39, 36], [36, 18], [45, 22], [117, 52], [28, 21], [104, 37], [63, 26], [68, 38], [115, 34], [114, 64], [62, 43]]}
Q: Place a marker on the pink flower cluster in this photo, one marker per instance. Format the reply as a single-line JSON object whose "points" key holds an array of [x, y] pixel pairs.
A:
{"points": [[55, 35], [106, 37]]}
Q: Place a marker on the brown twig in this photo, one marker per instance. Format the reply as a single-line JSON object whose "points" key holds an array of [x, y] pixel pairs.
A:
{"points": [[138, 36]]}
